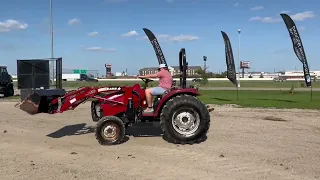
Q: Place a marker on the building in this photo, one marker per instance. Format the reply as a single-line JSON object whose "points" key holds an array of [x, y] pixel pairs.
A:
{"points": [[174, 70], [299, 74], [284, 74], [108, 70]]}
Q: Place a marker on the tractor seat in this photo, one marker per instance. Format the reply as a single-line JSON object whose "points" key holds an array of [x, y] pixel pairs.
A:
{"points": [[166, 92], [173, 86]]}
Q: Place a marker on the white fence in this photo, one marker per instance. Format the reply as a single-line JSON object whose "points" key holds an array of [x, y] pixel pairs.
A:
{"points": [[210, 79], [190, 79]]}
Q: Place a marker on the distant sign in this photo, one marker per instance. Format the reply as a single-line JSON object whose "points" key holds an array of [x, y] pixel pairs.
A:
{"points": [[83, 71], [79, 71], [204, 58], [245, 64], [76, 71]]}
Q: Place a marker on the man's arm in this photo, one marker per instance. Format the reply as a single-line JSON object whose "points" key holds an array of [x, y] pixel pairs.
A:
{"points": [[149, 76]]}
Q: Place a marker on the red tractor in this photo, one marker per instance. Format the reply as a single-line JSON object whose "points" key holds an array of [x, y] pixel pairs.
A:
{"points": [[184, 119]]}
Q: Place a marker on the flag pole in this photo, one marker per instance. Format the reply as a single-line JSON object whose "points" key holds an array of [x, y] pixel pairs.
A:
{"points": [[311, 93], [237, 92], [51, 48]]}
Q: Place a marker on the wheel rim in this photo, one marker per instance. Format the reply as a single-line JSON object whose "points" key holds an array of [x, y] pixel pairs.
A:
{"points": [[186, 121], [110, 132], [97, 109]]}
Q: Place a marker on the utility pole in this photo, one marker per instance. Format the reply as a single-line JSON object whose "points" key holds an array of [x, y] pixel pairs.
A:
{"points": [[51, 34], [205, 63], [239, 33]]}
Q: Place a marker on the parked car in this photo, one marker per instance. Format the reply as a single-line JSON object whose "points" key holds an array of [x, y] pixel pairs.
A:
{"points": [[196, 80]]}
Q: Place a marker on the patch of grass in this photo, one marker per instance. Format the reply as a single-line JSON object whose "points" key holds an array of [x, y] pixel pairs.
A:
{"points": [[249, 84], [262, 84], [12, 97], [266, 99]]}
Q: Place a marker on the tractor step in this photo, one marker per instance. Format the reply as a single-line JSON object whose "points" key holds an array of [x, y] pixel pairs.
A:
{"points": [[148, 114]]}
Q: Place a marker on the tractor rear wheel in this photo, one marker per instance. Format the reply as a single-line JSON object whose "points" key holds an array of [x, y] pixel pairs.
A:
{"points": [[110, 130], [185, 120]]}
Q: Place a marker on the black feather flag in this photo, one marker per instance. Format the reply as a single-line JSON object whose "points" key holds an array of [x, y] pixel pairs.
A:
{"points": [[231, 70], [297, 46], [156, 46]]}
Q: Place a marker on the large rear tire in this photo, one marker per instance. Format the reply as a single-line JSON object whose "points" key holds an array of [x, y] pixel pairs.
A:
{"points": [[110, 130], [185, 120]]}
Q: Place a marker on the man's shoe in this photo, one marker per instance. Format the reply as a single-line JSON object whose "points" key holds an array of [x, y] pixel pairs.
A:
{"points": [[148, 110]]}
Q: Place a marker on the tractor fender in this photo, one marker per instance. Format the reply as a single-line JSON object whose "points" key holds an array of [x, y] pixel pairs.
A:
{"points": [[174, 93]]}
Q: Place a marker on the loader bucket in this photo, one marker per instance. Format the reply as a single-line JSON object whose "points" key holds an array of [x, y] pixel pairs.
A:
{"points": [[30, 104]]}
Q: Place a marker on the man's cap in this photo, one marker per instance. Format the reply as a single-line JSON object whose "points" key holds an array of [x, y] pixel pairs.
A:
{"points": [[162, 66]]}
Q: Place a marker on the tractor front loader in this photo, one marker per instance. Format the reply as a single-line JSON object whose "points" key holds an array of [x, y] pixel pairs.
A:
{"points": [[184, 119]]}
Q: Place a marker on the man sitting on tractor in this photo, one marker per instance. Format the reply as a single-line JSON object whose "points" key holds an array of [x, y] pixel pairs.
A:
{"points": [[165, 83]]}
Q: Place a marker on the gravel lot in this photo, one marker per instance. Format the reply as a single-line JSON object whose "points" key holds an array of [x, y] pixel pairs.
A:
{"points": [[242, 144]]}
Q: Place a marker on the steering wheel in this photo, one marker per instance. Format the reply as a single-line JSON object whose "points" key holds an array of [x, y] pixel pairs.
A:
{"points": [[146, 80]]}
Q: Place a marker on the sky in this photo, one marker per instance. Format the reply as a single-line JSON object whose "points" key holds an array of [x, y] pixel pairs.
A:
{"points": [[90, 33]]}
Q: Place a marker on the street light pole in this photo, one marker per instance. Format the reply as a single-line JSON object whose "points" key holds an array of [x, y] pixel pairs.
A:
{"points": [[205, 63], [51, 34], [239, 33]]}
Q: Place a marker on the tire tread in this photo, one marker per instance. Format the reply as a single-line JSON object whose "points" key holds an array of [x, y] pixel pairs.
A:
{"points": [[202, 110]]}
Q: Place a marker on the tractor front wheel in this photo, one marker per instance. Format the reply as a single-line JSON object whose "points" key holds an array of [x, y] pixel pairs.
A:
{"points": [[185, 120], [110, 130]]}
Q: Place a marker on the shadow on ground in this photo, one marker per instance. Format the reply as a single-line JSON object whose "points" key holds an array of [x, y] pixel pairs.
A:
{"points": [[136, 130], [145, 130], [279, 100], [221, 99], [273, 118], [72, 130]]}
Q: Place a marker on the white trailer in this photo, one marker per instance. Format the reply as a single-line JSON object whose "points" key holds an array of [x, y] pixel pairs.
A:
{"points": [[70, 77]]}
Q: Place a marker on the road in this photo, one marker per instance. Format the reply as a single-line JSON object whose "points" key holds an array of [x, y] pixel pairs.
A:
{"points": [[258, 89], [245, 143], [17, 91]]}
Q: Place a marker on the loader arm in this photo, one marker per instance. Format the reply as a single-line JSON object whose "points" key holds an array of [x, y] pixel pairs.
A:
{"points": [[72, 100], [34, 103]]}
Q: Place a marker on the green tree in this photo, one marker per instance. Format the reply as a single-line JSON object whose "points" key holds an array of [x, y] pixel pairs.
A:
{"points": [[222, 75], [203, 75]]}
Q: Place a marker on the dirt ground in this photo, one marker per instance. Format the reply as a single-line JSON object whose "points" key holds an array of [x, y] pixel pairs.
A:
{"points": [[242, 144]]}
